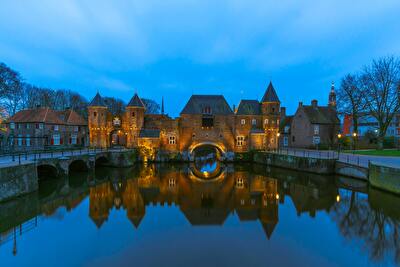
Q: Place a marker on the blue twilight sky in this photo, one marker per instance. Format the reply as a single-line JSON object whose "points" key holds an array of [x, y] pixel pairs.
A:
{"points": [[181, 47]]}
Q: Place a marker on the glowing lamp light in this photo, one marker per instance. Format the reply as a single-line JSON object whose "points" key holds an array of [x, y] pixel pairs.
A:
{"points": [[354, 134], [337, 198], [277, 196], [278, 134], [339, 136]]}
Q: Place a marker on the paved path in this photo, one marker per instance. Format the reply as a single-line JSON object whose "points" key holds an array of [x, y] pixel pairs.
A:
{"points": [[8, 160], [355, 159]]}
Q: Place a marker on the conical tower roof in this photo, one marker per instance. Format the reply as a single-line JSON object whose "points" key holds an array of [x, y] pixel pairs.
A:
{"points": [[136, 102], [97, 101], [270, 95]]}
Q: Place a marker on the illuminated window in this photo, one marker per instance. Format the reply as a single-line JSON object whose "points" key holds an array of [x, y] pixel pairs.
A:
{"points": [[171, 182], [239, 183], [266, 121], [240, 140], [172, 140], [242, 121]]}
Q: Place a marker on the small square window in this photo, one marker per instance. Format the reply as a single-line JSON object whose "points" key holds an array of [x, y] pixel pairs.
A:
{"points": [[240, 140]]}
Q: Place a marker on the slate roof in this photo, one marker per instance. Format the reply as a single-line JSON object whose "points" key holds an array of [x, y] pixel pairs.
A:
{"points": [[217, 103], [149, 133], [249, 107], [321, 115], [47, 115], [270, 95], [136, 102], [97, 101]]}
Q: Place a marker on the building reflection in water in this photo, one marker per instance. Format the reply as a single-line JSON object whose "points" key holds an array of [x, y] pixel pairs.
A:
{"points": [[253, 193]]}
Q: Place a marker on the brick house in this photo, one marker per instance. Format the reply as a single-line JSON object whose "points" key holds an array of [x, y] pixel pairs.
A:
{"points": [[42, 128], [312, 126]]}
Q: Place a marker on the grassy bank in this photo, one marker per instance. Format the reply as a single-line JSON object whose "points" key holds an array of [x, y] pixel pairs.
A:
{"points": [[385, 153]]}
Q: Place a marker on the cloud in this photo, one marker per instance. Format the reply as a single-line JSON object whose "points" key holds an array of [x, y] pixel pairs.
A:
{"points": [[193, 44]]}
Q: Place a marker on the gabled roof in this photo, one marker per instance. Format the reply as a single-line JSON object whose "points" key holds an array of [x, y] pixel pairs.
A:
{"points": [[321, 115], [72, 118], [47, 115], [97, 101], [249, 107], [217, 103], [270, 95], [136, 102]]}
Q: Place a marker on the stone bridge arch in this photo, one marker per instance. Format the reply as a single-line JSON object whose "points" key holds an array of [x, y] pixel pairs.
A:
{"points": [[78, 165], [224, 153], [47, 170]]}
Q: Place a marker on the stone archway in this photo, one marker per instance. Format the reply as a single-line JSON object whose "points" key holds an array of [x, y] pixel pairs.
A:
{"points": [[117, 138], [220, 148]]}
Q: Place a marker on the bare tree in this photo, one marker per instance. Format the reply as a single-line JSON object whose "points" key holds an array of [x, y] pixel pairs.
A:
{"points": [[115, 105], [381, 81], [351, 99], [152, 107], [11, 91]]}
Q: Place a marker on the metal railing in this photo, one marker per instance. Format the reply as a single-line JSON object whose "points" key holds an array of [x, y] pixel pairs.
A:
{"points": [[17, 158], [351, 159]]}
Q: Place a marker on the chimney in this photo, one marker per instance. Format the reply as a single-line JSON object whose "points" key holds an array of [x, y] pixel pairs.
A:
{"points": [[300, 104], [283, 112], [314, 103]]}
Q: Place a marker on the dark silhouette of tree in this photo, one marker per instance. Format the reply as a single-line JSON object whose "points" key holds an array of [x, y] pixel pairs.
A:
{"points": [[152, 107], [115, 106], [351, 98], [381, 82], [11, 91], [372, 228]]}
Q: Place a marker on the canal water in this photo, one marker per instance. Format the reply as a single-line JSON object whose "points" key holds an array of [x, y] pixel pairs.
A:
{"points": [[200, 215]]}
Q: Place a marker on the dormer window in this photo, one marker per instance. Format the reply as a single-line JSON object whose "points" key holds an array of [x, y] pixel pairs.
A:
{"points": [[207, 110]]}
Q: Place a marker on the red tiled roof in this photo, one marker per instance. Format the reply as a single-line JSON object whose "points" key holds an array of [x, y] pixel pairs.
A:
{"points": [[48, 115]]}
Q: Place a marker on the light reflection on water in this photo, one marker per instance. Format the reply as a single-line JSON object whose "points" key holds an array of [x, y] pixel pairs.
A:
{"points": [[162, 215]]}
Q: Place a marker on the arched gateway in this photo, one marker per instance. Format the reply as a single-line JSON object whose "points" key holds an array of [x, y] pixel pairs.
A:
{"points": [[205, 120]]}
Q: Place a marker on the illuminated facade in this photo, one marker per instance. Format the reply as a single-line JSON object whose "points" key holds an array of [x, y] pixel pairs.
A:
{"points": [[205, 120]]}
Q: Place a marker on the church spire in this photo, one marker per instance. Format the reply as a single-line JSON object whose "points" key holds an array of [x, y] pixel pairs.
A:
{"points": [[332, 96]]}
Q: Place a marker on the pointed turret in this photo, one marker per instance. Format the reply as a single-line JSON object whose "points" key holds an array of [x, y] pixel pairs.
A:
{"points": [[332, 96], [270, 94], [136, 102], [97, 101]]}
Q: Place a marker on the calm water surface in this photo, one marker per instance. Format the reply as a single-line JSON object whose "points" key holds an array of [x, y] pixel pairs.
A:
{"points": [[242, 215]]}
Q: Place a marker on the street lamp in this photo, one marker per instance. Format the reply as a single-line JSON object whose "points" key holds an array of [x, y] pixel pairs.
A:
{"points": [[354, 141], [339, 142], [277, 138]]}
